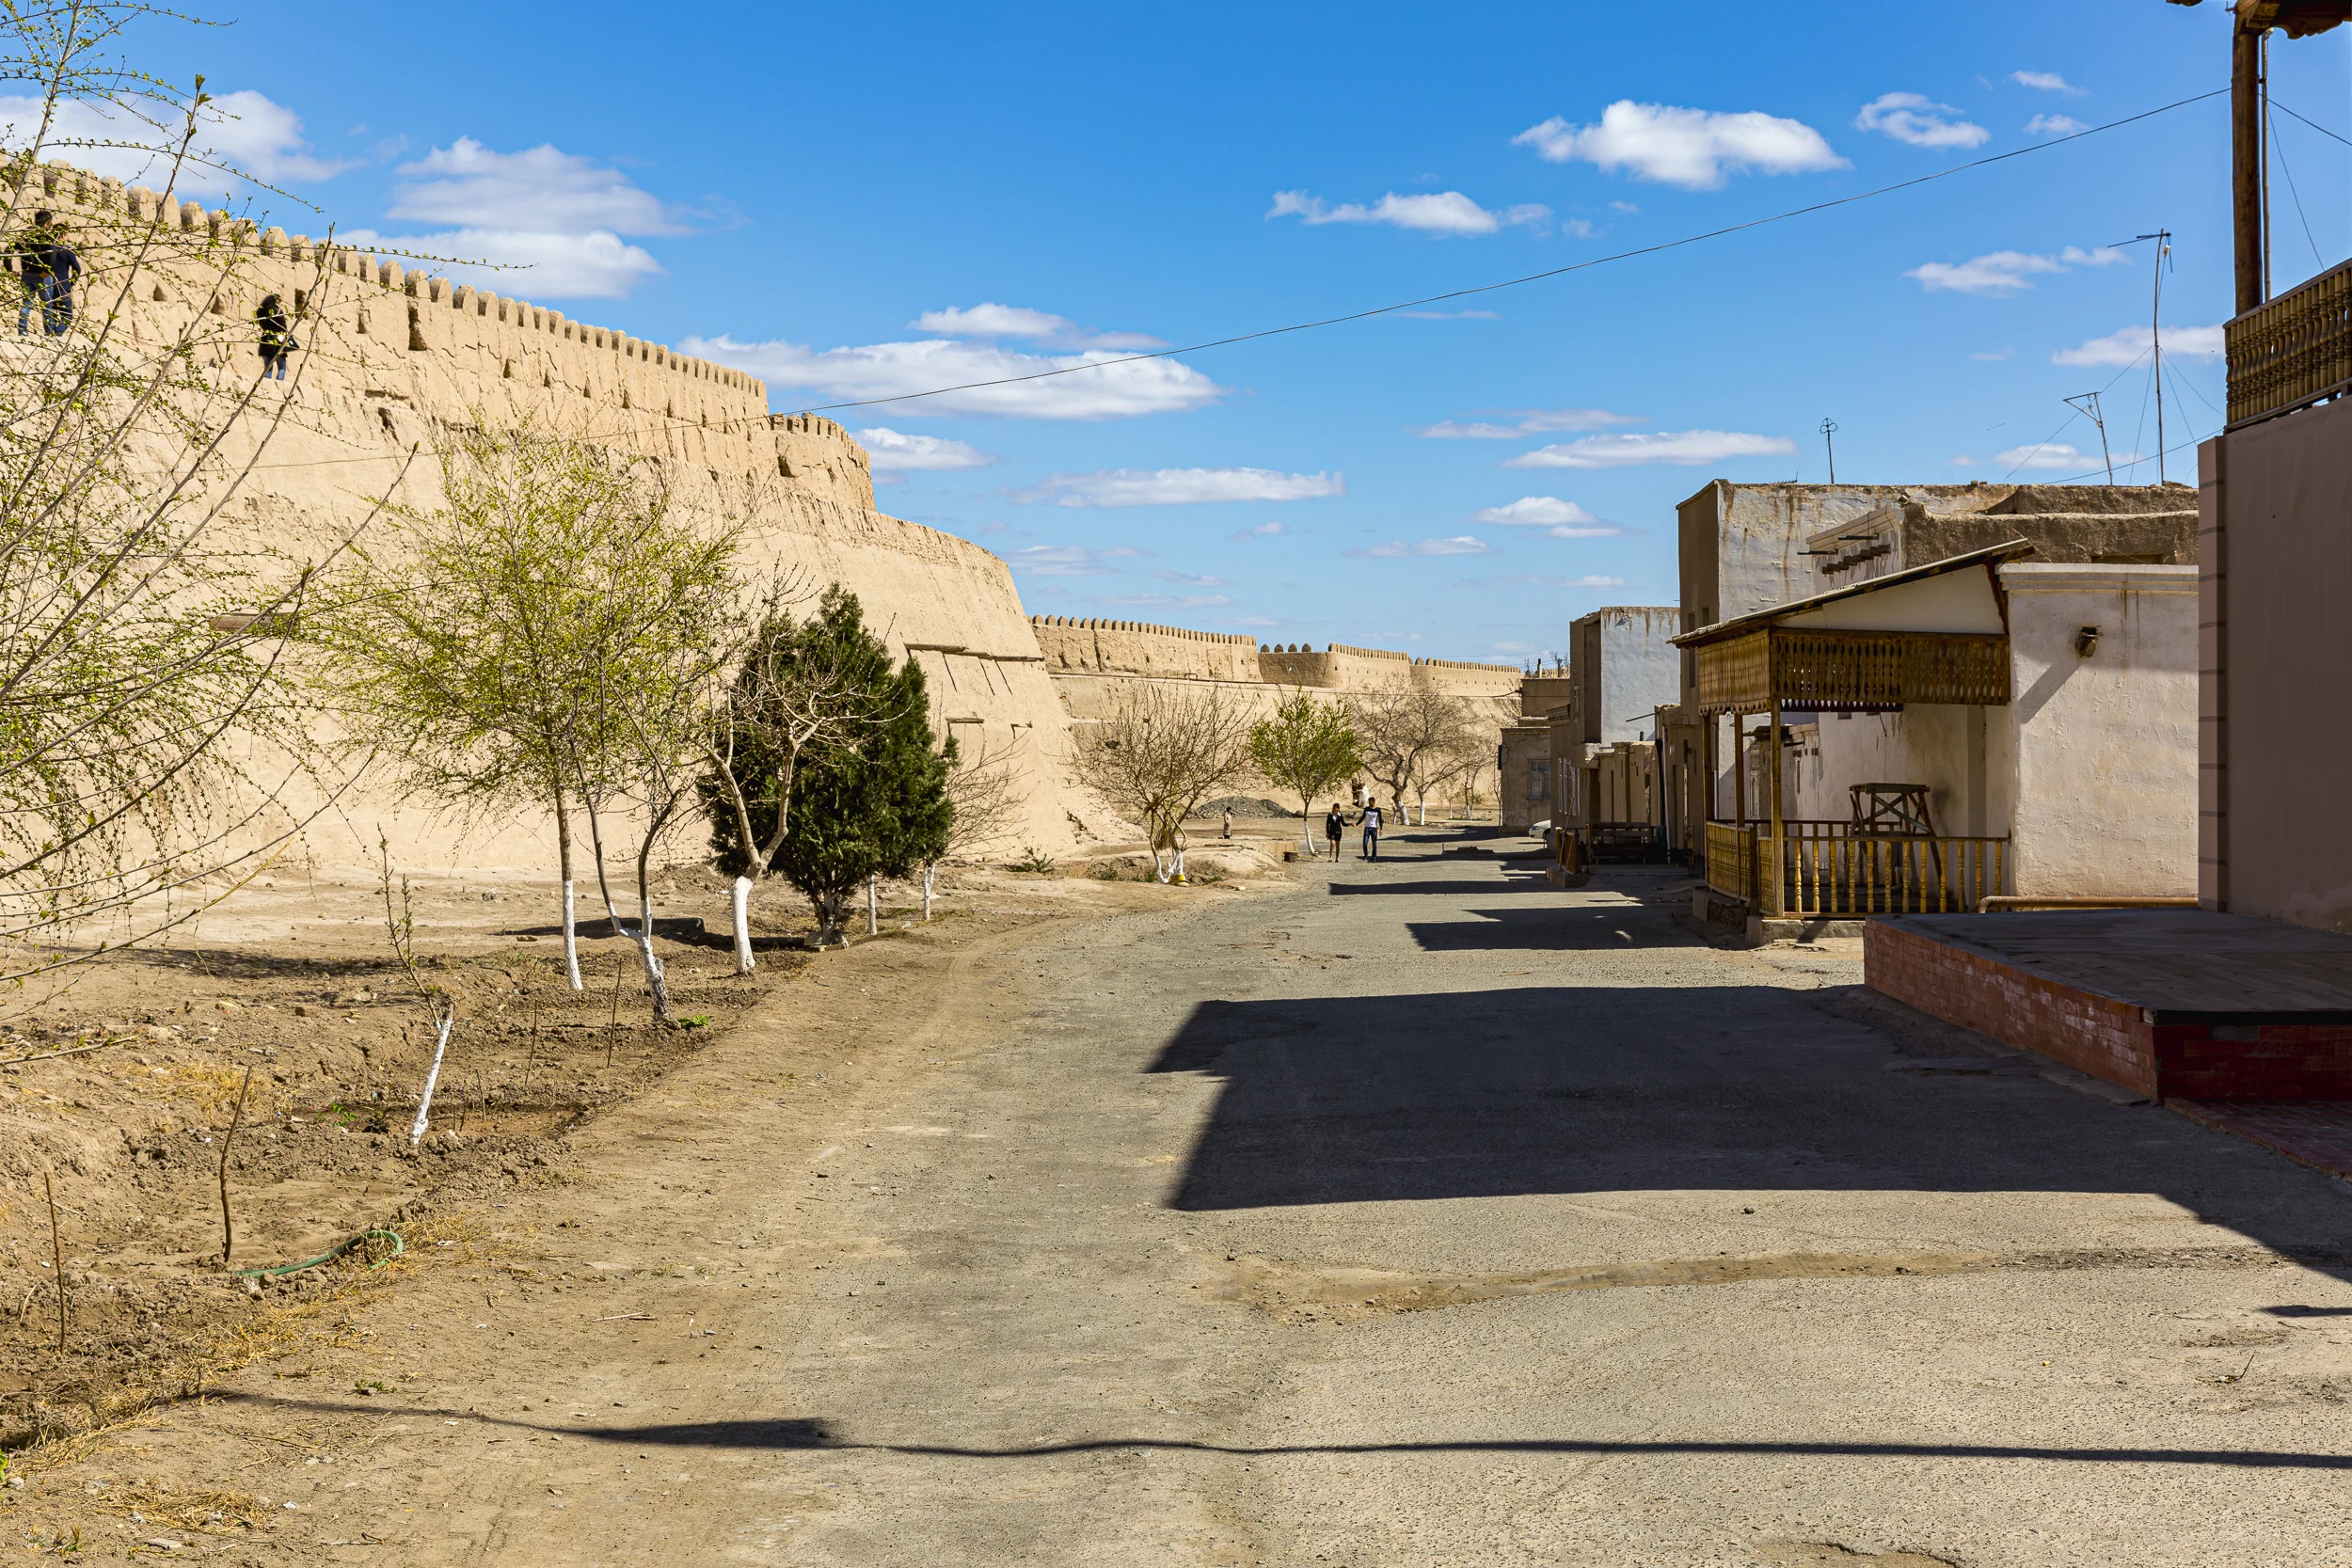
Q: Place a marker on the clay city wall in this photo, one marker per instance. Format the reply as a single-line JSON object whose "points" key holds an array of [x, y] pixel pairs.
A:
{"points": [[393, 358]]}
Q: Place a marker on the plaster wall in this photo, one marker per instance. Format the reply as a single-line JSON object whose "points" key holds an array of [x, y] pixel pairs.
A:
{"points": [[2275, 657], [2105, 747], [1624, 668], [1966, 756]]}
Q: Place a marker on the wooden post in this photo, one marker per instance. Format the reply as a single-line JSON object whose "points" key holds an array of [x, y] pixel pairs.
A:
{"points": [[2246, 159], [1773, 899]]}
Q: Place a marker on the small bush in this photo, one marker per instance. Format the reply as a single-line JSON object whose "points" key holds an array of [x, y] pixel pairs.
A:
{"points": [[1035, 860]]}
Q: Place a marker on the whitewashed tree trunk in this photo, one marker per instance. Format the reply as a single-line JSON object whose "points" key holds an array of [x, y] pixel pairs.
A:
{"points": [[930, 874], [744, 963], [571, 935], [873, 906], [432, 1078]]}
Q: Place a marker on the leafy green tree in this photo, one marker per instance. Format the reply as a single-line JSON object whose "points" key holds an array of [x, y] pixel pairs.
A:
{"points": [[803, 688], [873, 806], [1306, 747], [542, 638]]}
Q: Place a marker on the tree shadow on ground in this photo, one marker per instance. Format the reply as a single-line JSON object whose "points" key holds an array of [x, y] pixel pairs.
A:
{"points": [[801, 1433]]}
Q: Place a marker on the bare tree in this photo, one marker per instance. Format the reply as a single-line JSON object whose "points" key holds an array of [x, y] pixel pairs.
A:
{"points": [[1408, 735], [984, 789], [1161, 749], [153, 727]]}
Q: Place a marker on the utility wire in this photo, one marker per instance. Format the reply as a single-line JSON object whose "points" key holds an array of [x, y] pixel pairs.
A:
{"points": [[1533, 276]]}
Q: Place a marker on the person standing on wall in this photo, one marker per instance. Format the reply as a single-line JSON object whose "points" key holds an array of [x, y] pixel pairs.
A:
{"points": [[277, 340], [47, 266], [1372, 819], [1333, 821]]}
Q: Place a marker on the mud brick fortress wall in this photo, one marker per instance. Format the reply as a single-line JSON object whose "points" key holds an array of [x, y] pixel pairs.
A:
{"points": [[393, 355]]}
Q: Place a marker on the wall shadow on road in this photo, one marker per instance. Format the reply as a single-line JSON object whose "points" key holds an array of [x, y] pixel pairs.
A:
{"points": [[1552, 927], [1560, 1089], [1469, 890]]}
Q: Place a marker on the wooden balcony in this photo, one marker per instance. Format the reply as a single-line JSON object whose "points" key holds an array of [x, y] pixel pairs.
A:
{"points": [[2292, 351]]}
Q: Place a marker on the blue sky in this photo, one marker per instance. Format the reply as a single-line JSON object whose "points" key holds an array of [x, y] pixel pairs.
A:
{"points": [[861, 200]]}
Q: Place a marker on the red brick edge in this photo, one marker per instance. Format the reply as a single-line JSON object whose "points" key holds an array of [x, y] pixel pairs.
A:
{"points": [[2098, 1035]]}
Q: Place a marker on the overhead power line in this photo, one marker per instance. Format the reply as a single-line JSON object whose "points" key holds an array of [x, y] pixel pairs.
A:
{"points": [[1533, 276]]}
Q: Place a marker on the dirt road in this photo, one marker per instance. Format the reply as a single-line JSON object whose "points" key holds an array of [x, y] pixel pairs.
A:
{"points": [[1422, 1215]]}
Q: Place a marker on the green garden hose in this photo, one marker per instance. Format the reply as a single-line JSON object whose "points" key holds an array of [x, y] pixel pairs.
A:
{"points": [[331, 1255]]}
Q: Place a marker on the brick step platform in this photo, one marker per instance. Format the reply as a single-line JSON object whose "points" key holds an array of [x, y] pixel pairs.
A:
{"points": [[2183, 1003]]}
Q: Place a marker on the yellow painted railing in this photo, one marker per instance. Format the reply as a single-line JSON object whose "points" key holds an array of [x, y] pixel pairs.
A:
{"points": [[1891, 876], [1731, 859]]}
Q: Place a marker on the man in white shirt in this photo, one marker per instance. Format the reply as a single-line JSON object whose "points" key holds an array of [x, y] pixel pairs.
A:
{"points": [[1370, 819]]}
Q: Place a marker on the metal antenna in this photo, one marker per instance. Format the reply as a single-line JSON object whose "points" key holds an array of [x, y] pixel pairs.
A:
{"points": [[1829, 429], [2156, 327], [2087, 404]]}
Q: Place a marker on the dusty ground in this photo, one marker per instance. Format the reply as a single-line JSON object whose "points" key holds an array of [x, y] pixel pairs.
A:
{"points": [[289, 998], [1407, 1214]]}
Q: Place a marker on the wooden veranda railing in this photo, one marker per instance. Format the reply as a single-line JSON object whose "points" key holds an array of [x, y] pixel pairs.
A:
{"points": [[2293, 350], [1891, 876], [1826, 869]]}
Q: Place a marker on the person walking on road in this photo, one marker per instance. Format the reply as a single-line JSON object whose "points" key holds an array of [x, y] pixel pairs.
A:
{"points": [[47, 266], [1333, 821], [1372, 819], [1229, 824], [277, 339]]}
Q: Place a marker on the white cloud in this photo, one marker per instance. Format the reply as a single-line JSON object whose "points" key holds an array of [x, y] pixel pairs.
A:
{"points": [[2127, 346], [1264, 530], [1559, 520], [2055, 125], [1459, 545], [1690, 449], [2057, 454], [1016, 321], [1189, 601], [1187, 579], [1055, 561], [1122, 391], [1531, 422], [1181, 487], [2006, 272], [2045, 81], [521, 263], [1545, 582], [1442, 212], [1691, 147], [1259, 621], [925, 454], [553, 220], [541, 189], [1908, 117], [244, 131]]}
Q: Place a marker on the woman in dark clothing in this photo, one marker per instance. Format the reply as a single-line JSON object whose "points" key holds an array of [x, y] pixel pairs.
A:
{"points": [[276, 339], [1333, 821]]}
